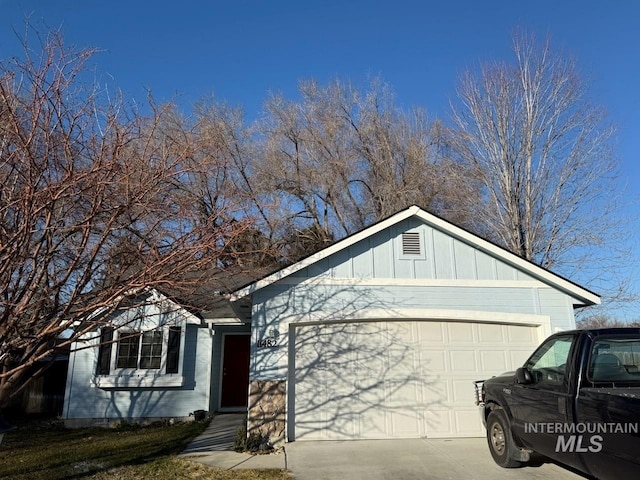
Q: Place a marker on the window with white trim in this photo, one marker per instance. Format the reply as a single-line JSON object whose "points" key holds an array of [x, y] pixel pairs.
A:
{"points": [[139, 358]]}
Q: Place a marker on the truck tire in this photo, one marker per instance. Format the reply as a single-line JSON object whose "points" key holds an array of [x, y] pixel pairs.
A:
{"points": [[501, 445]]}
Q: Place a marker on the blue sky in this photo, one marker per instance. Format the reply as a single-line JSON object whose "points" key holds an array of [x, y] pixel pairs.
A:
{"points": [[241, 50]]}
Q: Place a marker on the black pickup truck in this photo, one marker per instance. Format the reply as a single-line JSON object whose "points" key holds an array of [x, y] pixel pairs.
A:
{"points": [[576, 401]]}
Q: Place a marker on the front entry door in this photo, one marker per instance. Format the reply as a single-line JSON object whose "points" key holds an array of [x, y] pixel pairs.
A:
{"points": [[235, 372]]}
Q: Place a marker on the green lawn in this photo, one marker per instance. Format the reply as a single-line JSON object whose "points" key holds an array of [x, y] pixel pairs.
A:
{"points": [[37, 451]]}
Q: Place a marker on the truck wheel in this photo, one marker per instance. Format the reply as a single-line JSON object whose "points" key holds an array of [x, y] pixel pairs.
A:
{"points": [[501, 445]]}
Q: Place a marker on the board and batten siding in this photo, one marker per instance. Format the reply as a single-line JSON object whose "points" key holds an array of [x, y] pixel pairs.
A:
{"points": [[443, 257], [372, 279], [83, 400]]}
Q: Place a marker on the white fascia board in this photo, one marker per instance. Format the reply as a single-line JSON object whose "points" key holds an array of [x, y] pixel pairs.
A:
{"points": [[330, 250]]}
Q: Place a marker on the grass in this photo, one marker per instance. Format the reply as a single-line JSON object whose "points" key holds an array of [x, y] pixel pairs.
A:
{"points": [[178, 468], [39, 451]]}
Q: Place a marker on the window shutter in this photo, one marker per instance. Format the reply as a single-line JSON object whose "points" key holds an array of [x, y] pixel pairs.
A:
{"points": [[411, 243], [173, 350], [104, 351]]}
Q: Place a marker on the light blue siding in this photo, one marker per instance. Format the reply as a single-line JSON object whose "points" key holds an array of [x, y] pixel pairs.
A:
{"points": [[382, 255], [335, 301], [459, 277], [443, 253], [444, 258], [464, 261], [559, 307], [85, 401], [485, 266]]}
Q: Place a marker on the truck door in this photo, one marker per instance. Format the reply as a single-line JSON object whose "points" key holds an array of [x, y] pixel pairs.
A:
{"points": [[541, 408]]}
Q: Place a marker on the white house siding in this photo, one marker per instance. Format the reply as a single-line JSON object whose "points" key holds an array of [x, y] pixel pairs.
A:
{"points": [[88, 404]]}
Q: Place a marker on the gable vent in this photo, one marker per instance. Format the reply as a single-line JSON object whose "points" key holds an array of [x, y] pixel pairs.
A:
{"points": [[411, 243]]}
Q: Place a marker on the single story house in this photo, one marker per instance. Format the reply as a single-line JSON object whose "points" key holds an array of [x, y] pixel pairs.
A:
{"points": [[379, 335]]}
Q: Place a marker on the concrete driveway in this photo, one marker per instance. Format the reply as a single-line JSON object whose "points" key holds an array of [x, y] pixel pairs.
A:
{"points": [[456, 459]]}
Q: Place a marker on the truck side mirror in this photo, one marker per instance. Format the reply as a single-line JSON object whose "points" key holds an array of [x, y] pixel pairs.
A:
{"points": [[523, 376]]}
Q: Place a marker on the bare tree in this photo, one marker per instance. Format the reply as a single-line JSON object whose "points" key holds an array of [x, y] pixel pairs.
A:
{"points": [[544, 154], [402, 159], [600, 320], [340, 159], [92, 206]]}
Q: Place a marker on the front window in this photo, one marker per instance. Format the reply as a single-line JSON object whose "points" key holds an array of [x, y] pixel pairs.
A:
{"points": [[144, 350], [139, 358]]}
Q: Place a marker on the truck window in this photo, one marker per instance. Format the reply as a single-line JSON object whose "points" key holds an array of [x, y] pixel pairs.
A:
{"points": [[548, 365], [615, 360]]}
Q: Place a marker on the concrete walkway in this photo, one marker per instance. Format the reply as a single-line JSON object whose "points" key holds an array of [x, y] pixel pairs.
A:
{"points": [[214, 447]]}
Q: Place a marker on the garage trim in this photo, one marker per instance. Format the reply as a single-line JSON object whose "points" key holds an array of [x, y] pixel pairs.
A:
{"points": [[477, 316]]}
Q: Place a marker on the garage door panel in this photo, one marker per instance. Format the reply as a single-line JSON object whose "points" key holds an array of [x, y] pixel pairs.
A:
{"points": [[490, 333], [431, 332], [463, 394], [406, 424], [398, 379], [434, 391], [519, 356], [402, 394], [372, 424], [491, 360], [463, 361], [467, 421], [439, 423], [520, 334], [433, 360], [460, 333]]}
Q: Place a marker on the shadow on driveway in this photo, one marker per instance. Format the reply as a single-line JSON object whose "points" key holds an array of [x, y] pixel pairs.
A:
{"points": [[464, 459]]}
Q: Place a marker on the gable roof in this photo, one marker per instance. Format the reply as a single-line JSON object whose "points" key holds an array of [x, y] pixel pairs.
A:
{"points": [[574, 290]]}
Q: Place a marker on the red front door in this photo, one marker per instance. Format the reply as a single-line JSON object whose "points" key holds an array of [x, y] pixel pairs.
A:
{"points": [[235, 372]]}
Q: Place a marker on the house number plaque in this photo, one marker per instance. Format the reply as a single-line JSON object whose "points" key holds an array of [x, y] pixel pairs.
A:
{"points": [[271, 341]]}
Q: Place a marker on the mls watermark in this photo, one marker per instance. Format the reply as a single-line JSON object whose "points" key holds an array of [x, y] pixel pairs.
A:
{"points": [[580, 437]]}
